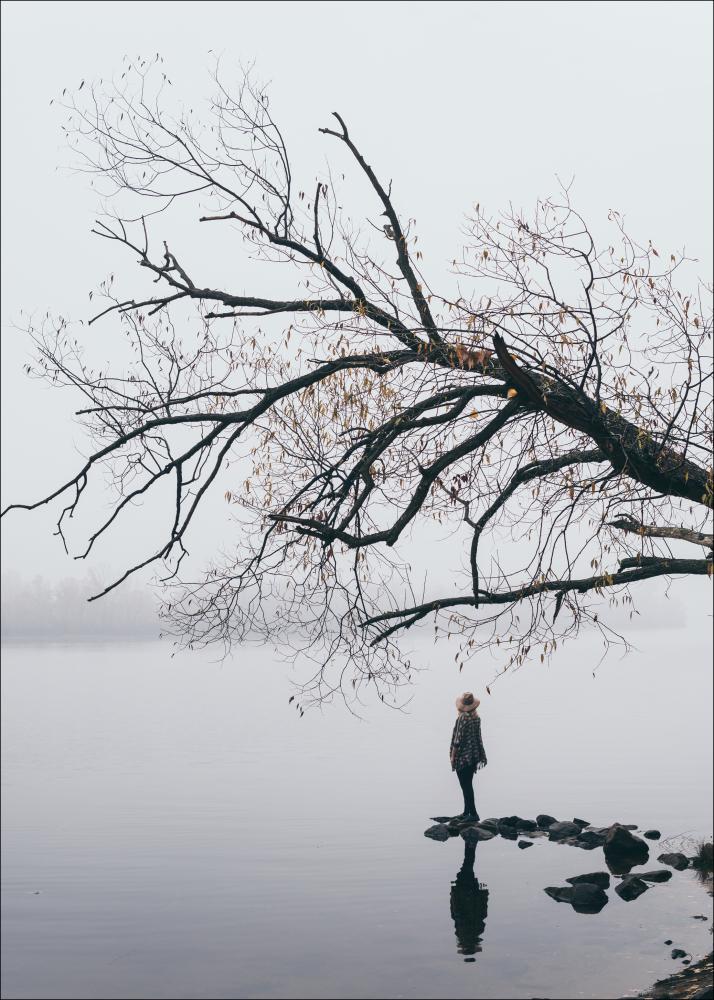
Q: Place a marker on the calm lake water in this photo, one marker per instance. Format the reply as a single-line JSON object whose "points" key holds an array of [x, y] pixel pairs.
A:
{"points": [[172, 829]]}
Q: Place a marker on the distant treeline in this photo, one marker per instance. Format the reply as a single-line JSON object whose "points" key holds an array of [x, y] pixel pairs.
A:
{"points": [[40, 609]]}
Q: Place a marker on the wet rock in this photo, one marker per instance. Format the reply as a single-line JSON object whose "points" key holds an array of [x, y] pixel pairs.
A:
{"points": [[525, 843], [704, 993], [699, 916], [507, 832], [600, 879], [678, 953], [659, 875], [674, 860], [630, 888], [623, 851], [559, 831], [490, 824], [562, 894], [667, 941], [441, 819], [438, 832], [473, 834], [580, 822], [544, 820], [518, 823], [588, 898], [652, 834], [590, 839], [584, 897]]}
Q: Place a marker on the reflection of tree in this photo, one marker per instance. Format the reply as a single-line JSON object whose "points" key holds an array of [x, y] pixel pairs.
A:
{"points": [[469, 905]]}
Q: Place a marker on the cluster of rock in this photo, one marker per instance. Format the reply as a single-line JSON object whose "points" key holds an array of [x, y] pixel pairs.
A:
{"points": [[585, 893]]}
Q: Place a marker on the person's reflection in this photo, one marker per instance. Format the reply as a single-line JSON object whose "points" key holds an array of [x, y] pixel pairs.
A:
{"points": [[469, 906]]}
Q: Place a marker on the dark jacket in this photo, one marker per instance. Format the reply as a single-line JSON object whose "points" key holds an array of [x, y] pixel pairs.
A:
{"points": [[466, 748]]}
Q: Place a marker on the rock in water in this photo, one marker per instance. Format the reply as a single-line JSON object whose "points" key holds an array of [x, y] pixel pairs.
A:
{"points": [[678, 953], [544, 820], [652, 834], [659, 875], [580, 822], [438, 832], [525, 843], [588, 839], [584, 897], [588, 898], [473, 834], [562, 894], [675, 860], [630, 888], [600, 879], [559, 831], [507, 832], [623, 851], [490, 824], [518, 823]]}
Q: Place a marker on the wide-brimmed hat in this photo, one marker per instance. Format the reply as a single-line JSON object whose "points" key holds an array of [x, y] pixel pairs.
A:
{"points": [[467, 702]]}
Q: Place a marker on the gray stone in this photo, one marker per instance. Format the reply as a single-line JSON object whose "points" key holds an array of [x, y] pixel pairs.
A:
{"points": [[580, 822], [658, 875], [623, 851], [559, 831], [652, 834], [489, 824], [630, 888], [438, 832], [584, 897], [588, 898], [678, 953], [591, 838], [525, 843], [518, 823], [473, 834], [507, 832], [674, 860], [600, 879], [544, 820], [562, 894]]}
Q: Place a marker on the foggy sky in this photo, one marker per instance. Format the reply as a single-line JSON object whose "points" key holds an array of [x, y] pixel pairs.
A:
{"points": [[456, 102]]}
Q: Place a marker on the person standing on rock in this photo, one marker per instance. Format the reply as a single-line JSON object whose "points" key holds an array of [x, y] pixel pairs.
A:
{"points": [[467, 752]]}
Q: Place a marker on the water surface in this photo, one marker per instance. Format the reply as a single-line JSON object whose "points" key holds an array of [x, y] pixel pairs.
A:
{"points": [[172, 829]]}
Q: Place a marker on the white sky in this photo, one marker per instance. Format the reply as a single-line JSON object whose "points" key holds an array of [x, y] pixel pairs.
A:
{"points": [[456, 102]]}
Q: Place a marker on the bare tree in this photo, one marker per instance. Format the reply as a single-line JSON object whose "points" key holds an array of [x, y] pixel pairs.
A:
{"points": [[554, 422]]}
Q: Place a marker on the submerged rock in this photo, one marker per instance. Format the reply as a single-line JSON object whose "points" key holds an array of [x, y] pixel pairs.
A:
{"points": [[630, 888], [678, 953], [600, 879], [438, 832], [652, 834], [674, 860]]}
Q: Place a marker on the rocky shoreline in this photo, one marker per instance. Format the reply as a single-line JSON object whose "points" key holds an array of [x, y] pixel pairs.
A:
{"points": [[624, 853], [692, 983]]}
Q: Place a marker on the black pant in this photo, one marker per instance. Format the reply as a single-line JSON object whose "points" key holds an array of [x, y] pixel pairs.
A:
{"points": [[466, 778]]}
